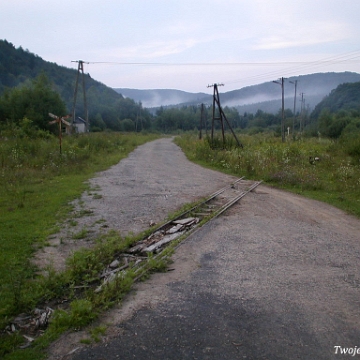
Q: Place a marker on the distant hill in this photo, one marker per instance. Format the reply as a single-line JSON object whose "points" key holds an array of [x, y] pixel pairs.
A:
{"points": [[344, 97], [314, 87], [265, 96], [18, 66], [160, 97], [110, 107], [273, 106], [106, 107]]}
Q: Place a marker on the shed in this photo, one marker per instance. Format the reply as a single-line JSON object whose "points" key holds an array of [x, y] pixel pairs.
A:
{"points": [[79, 125]]}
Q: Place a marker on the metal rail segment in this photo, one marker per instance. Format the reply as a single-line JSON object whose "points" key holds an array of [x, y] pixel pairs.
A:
{"points": [[178, 229]]}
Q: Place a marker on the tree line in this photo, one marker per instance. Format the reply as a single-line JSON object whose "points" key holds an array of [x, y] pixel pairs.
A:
{"points": [[34, 99], [24, 94]]}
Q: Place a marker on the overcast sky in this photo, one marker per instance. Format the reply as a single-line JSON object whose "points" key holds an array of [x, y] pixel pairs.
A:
{"points": [[247, 41]]}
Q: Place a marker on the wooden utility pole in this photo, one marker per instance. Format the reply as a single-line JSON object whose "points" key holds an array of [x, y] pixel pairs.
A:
{"points": [[295, 83], [281, 83], [302, 111], [80, 69], [216, 101], [221, 117], [201, 121], [205, 121]]}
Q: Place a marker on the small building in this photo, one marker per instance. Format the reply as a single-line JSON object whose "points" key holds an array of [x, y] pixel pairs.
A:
{"points": [[79, 125]]}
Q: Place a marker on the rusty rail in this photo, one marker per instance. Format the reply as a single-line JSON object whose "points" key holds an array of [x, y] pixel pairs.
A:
{"points": [[179, 228]]}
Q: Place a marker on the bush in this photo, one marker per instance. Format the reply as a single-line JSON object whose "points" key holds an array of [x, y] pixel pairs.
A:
{"points": [[350, 139], [81, 314], [32, 101]]}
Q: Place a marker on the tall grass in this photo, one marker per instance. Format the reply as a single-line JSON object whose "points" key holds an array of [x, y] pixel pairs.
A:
{"points": [[335, 178], [36, 185]]}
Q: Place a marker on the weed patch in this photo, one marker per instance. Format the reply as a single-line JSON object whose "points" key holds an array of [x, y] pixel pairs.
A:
{"points": [[36, 186], [82, 234], [289, 165]]}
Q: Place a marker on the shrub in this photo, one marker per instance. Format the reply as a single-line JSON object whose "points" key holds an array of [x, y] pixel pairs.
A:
{"points": [[81, 314]]}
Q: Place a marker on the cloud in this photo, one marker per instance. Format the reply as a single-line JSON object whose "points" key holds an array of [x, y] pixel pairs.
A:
{"points": [[313, 34], [152, 50], [188, 31]]}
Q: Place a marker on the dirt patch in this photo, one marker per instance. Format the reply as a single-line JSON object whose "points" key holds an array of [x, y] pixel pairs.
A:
{"points": [[276, 277], [153, 181]]}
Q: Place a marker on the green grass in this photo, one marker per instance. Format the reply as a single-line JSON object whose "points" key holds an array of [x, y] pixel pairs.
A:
{"points": [[81, 234], [36, 187], [334, 179], [37, 184]]}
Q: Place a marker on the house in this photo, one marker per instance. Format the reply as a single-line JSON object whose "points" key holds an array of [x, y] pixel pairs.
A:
{"points": [[79, 125]]}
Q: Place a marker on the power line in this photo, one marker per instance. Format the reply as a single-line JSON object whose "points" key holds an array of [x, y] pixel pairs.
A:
{"points": [[279, 63], [289, 71], [292, 68], [330, 60]]}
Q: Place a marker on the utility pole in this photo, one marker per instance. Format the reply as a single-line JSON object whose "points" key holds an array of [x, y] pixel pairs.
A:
{"points": [[302, 111], [216, 100], [80, 69], [221, 117], [205, 121], [281, 83], [201, 120], [295, 83]]}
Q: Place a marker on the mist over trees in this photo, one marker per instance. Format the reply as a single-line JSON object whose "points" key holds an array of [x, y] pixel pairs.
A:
{"points": [[338, 114], [344, 97], [30, 88]]}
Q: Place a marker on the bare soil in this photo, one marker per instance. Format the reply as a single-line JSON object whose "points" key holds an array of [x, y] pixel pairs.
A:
{"points": [[153, 181], [276, 277]]}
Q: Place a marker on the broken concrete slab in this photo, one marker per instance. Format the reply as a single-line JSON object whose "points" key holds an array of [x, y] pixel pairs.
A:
{"points": [[165, 240]]}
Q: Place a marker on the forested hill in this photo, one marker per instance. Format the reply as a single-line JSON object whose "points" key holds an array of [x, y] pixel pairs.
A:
{"points": [[106, 107], [344, 97], [265, 96], [19, 65]]}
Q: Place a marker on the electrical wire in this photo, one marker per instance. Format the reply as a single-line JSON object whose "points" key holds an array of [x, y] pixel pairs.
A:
{"points": [[292, 68], [343, 58], [214, 64]]}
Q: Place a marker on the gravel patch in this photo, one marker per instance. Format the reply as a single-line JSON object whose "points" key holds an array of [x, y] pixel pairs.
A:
{"points": [[277, 276], [154, 180]]}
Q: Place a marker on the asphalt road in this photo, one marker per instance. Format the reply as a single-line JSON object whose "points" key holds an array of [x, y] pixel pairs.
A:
{"points": [[276, 277]]}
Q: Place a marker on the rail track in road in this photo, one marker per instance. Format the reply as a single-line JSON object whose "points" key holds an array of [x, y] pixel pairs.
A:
{"points": [[152, 246], [139, 259]]}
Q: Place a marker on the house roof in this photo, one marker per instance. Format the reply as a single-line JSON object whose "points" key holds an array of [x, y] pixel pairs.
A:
{"points": [[79, 120]]}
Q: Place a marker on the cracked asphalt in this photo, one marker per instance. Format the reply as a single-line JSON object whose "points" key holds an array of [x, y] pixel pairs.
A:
{"points": [[276, 277]]}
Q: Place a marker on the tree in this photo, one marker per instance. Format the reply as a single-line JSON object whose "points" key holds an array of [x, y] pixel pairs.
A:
{"points": [[97, 123], [332, 125], [33, 101], [127, 125]]}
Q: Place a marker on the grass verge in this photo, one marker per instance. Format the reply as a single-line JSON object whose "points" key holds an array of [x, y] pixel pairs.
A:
{"points": [[334, 178], [36, 185]]}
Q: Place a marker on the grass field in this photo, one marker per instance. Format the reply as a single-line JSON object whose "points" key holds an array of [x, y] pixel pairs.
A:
{"points": [[335, 178], [36, 186]]}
